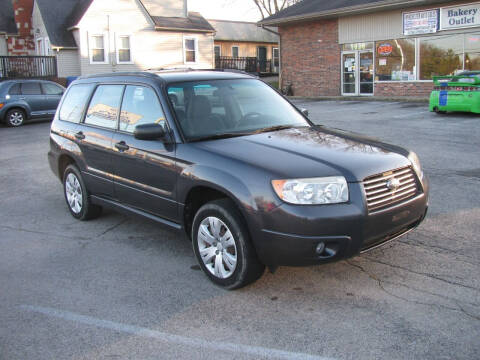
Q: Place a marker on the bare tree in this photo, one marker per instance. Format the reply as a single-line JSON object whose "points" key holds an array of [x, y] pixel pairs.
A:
{"points": [[270, 7]]}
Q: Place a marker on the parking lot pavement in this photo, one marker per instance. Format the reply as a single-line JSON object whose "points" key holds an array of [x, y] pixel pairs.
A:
{"points": [[122, 287]]}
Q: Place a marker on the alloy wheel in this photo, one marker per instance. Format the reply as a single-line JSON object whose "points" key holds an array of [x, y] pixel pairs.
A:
{"points": [[217, 247], [16, 118], [74, 193]]}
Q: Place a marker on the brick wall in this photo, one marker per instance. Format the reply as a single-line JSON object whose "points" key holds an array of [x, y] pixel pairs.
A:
{"points": [[311, 58], [411, 89], [23, 44]]}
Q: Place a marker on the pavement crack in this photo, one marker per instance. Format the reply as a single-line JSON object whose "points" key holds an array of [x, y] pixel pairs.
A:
{"points": [[432, 276], [380, 285], [123, 221]]}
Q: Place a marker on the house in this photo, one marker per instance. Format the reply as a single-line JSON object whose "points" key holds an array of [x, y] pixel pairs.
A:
{"points": [[98, 36], [375, 47], [16, 37], [238, 39]]}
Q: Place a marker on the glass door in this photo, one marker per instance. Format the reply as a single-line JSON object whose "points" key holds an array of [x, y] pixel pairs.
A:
{"points": [[349, 73], [366, 73]]}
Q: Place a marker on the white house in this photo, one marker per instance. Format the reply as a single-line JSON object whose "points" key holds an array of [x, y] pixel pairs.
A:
{"points": [[98, 36]]}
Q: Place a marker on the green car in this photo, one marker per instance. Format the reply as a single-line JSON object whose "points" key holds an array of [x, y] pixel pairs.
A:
{"points": [[460, 92]]}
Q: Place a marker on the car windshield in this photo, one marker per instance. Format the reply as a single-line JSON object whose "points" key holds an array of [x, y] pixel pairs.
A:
{"points": [[227, 108]]}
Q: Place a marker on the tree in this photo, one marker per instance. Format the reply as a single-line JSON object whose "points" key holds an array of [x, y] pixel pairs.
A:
{"points": [[270, 7]]}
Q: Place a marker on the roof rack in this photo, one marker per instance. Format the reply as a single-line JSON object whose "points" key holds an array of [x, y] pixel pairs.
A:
{"points": [[124, 73]]}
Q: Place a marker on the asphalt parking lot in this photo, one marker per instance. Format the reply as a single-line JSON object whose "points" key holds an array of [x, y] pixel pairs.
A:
{"points": [[122, 287]]}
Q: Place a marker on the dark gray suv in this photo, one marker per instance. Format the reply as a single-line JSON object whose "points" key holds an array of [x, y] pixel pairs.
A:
{"points": [[22, 100], [227, 160]]}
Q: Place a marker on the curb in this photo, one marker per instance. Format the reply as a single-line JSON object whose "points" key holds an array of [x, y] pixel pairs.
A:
{"points": [[360, 98]]}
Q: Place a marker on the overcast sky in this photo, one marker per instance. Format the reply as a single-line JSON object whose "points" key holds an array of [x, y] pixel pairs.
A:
{"points": [[240, 10]]}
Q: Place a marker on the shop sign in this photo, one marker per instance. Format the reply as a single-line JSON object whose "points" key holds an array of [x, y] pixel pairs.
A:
{"points": [[420, 22], [385, 49], [454, 17]]}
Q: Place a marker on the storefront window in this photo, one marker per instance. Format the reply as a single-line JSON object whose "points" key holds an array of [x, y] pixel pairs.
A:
{"points": [[440, 55], [395, 60], [472, 51], [358, 46]]}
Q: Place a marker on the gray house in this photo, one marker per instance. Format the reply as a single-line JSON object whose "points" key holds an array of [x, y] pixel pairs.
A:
{"points": [[95, 36]]}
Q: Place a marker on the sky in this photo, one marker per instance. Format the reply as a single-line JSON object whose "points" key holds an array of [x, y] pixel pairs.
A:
{"points": [[240, 10]]}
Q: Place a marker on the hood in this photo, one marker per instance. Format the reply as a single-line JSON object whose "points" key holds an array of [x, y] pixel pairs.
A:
{"points": [[312, 152]]}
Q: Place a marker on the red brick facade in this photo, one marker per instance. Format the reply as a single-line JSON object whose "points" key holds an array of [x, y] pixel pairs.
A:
{"points": [[412, 89], [311, 63], [23, 44], [311, 58]]}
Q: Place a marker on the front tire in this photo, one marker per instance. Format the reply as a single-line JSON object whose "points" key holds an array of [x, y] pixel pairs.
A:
{"points": [[76, 195], [15, 118], [222, 245]]}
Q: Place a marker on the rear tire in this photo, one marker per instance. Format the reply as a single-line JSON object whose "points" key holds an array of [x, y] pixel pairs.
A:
{"points": [[77, 197], [15, 118], [439, 111], [222, 245]]}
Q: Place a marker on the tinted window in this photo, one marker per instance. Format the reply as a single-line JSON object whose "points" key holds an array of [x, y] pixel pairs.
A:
{"points": [[14, 90], [51, 89], [74, 103], [140, 106], [103, 109], [219, 107], [31, 88]]}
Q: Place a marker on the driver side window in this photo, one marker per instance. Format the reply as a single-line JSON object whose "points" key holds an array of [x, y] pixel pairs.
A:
{"points": [[140, 106]]}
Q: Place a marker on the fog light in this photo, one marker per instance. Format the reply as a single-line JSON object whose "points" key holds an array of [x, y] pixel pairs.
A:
{"points": [[320, 248]]}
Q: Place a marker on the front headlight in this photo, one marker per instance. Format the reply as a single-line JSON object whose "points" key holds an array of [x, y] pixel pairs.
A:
{"points": [[416, 164], [327, 190]]}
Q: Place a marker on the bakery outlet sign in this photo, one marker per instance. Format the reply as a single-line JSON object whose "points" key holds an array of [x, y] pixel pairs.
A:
{"points": [[460, 16]]}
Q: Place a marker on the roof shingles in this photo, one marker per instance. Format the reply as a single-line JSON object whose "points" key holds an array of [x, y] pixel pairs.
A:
{"points": [[242, 31]]}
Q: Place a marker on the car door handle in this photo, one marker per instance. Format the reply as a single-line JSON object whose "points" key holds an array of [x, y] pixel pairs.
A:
{"points": [[121, 146], [80, 135]]}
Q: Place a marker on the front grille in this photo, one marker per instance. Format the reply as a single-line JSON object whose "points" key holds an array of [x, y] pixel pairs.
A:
{"points": [[389, 188]]}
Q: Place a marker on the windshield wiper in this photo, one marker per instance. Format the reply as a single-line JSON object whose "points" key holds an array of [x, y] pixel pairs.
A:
{"points": [[273, 128], [240, 133], [220, 136]]}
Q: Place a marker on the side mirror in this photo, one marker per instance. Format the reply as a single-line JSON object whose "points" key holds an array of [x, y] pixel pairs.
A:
{"points": [[304, 112], [149, 132]]}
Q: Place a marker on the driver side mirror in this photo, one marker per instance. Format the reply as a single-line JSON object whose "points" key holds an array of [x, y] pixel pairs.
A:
{"points": [[304, 112], [149, 132]]}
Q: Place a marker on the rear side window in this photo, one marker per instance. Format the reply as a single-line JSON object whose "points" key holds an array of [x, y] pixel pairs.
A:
{"points": [[140, 106], [51, 89], [75, 102], [31, 88], [14, 89], [103, 109]]}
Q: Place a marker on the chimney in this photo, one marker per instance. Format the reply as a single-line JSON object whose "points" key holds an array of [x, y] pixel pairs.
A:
{"points": [[185, 7]]}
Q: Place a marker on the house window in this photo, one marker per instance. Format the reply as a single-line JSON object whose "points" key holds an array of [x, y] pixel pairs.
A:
{"points": [[276, 57], [235, 51], [97, 49], [218, 51], [47, 47], [190, 48], [40, 47], [124, 52]]}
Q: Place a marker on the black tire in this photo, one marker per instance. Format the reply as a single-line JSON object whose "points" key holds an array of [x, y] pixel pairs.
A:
{"points": [[248, 267], [15, 117], [87, 210], [438, 111]]}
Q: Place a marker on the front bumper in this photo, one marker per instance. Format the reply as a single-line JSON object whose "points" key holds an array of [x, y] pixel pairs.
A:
{"points": [[344, 229]]}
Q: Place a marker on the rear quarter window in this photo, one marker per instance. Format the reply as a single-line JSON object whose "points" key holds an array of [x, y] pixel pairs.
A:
{"points": [[74, 103], [14, 89]]}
